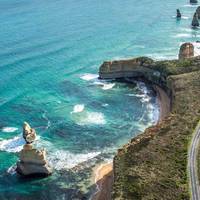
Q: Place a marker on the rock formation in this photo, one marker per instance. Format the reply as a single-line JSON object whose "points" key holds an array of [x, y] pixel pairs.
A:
{"points": [[151, 164], [193, 1], [32, 161], [195, 21], [29, 133], [186, 51], [178, 14], [198, 12]]}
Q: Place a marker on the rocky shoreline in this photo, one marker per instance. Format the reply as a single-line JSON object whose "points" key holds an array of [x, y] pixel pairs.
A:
{"points": [[154, 164], [104, 173]]}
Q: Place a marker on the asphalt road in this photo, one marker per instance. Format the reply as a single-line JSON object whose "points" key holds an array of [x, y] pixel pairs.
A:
{"points": [[192, 165]]}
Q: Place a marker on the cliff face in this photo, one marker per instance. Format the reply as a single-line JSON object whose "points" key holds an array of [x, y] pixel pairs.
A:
{"points": [[154, 164]]}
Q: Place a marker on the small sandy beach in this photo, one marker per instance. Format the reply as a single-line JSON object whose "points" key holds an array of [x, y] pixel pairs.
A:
{"points": [[103, 177]]}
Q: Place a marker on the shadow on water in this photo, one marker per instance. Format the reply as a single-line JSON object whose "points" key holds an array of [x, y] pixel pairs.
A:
{"points": [[61, 185]]}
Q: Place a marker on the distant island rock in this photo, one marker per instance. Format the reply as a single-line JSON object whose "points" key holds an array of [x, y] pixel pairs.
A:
{"points": [[195, 21], [193, 1], [198, 12], [178, 14]]}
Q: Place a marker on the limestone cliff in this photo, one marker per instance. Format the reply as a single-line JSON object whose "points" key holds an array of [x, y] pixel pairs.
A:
{"points": [[154, 164]]}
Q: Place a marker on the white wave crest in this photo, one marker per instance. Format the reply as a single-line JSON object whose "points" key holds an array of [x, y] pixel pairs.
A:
{"points": [[191, 5], [12, 170], [196, 48], [182, 35], [12, 145], [91, 118], [108, 86], [9, 129], [58, 159], [89, 77], [65, 160], [104, 85], [78, 108]]}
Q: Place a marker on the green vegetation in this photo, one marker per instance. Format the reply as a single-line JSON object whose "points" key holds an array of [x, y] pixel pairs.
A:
{"points": [[153, 166]]}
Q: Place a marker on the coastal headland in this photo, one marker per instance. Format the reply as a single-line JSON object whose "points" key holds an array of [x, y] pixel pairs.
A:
{"points": [[153, 165]]}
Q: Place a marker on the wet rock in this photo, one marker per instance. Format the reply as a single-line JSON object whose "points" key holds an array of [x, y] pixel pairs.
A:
{"points": [[29, 133], [193, 1], [198, 12], [178, 14], [186, 51], [33, 162], [195, 21]]}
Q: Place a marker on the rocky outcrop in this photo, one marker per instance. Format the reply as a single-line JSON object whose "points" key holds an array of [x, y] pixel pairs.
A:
{"points": [[193, 1], [29, 133], [33, 162], [125, 68], [186, 51], [198, 12], [195, 21], [178, 14]]}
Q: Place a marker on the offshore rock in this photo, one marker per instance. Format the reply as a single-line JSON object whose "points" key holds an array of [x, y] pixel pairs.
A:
{"points": [[195, 21], [29, 133], [198, 12], [186, 51], [178, 14], [33, 162], [193, 1]]}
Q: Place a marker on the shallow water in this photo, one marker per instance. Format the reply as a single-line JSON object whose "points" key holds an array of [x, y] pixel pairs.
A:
{"points": [[50, 52]]}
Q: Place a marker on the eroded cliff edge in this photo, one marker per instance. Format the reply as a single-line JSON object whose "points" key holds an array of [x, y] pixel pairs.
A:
{"points": [[154, 164]]}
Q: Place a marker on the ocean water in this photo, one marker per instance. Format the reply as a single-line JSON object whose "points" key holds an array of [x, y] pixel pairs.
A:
{"points": [[50, 52]]}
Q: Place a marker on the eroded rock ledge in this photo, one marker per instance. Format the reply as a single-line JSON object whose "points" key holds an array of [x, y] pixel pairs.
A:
{"points": [[154, 164]]}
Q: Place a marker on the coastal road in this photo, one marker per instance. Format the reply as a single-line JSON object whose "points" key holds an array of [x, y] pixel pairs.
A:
{"points": [[192, 165]]}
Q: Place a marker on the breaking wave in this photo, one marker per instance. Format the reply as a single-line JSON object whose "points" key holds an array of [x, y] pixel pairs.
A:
{"points": [[12, 145], [91, 118], [60, 159], [89, 77], [104, 85], [78, 108], [9, 129]]}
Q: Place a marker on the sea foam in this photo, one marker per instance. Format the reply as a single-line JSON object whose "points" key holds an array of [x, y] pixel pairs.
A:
{"points": [[12, 145], [60, 159], [89, 77], [78, 108], [9, 129], [104, 85], [89, 118]]}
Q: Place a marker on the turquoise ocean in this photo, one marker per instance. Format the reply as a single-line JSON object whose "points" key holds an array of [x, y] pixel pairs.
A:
{"points": [[50, 53]]}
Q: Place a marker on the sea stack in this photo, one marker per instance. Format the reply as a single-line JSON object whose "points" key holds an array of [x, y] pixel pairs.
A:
{"points": [[32, 161], [178, 14], [195, 21], [186, 51], [193, 1], [198, 12], [29, 133]]}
